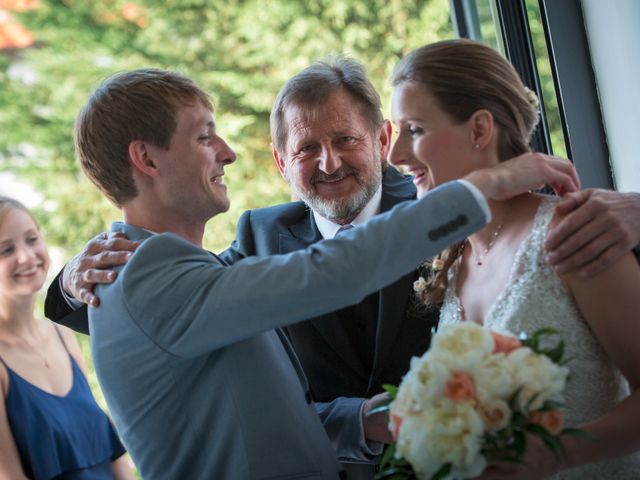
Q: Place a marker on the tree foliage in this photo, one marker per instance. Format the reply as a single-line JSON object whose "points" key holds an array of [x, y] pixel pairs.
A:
{"points": [[241, 51]]}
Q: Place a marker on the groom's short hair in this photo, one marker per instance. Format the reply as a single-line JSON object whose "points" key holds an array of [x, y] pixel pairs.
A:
{"points": [[134, 105]]}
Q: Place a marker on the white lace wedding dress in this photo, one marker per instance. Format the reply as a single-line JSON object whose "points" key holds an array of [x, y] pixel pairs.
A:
{"points": [[535, 298]]}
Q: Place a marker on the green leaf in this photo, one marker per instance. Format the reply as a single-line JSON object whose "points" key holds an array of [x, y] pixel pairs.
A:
{"points": [[388, 454], [576, 432], [513, 400], [537, 429], [519, 443], [518, 419], [443, 472], [551, 405], [532, 401], [555, 354], [392, 390], [534, 342]]}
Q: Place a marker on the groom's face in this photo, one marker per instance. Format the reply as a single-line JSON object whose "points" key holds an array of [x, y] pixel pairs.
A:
{"points": [[332, 159]]}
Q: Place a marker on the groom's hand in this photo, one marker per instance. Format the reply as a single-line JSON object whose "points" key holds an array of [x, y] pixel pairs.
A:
{"points": [[529, 171], [93, 265]]}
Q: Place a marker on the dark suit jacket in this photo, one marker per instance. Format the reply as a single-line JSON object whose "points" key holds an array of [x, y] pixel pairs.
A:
{"points": [[328, 356]]}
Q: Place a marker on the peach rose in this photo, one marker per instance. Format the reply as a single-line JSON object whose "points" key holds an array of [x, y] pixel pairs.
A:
{"points": [[460, 387], [504, 343], [550, 419], [395, 422], [495, 414]]}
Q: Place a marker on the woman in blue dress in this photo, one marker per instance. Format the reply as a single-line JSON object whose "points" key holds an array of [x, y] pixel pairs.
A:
{"points": [[50, 424]]}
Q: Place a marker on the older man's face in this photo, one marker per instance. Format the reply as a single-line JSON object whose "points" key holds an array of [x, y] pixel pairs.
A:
{"points": [[332, 161]]}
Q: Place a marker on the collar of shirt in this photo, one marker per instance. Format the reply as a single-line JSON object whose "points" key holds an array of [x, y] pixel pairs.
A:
{"points": [[328, 229]]}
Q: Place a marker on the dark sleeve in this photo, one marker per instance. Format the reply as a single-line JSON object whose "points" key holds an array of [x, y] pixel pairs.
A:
{"points": [[244, 245], [57, 309], [636, 252]]}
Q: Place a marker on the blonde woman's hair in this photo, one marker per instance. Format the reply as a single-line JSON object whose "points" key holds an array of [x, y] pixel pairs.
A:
{"points": [[8, 204]]}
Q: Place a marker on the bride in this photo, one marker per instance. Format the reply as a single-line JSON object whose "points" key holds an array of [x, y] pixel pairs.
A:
{"points": [[460, 106]]}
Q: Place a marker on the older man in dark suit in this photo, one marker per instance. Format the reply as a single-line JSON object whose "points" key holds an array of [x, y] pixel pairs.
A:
{"points": [[330, 143]]}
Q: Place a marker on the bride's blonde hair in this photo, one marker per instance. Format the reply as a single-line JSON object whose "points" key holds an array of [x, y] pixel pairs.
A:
{"points": [[465, 76]]}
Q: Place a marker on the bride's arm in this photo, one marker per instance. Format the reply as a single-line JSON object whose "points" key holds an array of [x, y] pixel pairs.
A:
{"points": [[610, 303]]}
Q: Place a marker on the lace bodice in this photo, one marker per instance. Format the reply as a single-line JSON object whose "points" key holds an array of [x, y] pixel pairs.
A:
{"points": [[535, 297]]}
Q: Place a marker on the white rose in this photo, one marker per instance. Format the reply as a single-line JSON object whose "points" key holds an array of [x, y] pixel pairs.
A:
{"points": [[537, 376], [429, 380], [423, 384], [419, 285], [494, 378], [461, 346], [445, 432]]}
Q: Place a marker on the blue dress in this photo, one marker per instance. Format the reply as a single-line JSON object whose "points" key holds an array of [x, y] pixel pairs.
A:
{"points": [[66, 438]]}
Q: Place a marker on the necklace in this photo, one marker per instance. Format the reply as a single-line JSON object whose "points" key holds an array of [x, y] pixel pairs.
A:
{"points": [[44, 358], [478, 259]]}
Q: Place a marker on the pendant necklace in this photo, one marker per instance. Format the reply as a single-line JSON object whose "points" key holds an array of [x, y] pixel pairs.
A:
{"points": [[479, 259]]}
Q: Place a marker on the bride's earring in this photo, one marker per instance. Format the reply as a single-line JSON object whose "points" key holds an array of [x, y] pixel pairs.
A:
{"points": [[476, 146]]}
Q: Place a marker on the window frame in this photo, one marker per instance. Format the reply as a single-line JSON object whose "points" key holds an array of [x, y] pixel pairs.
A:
{"points": [[572, 72]]}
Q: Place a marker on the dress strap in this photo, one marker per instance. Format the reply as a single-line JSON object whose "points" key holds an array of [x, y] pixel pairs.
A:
{"points": [[3, 362], [55, 327]]}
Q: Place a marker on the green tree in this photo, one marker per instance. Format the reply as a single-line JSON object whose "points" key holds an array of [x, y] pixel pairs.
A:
{"points": [[240, 51]]}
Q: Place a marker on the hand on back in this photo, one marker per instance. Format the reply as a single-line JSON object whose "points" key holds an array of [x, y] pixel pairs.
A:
{"points": [[94, 265]]}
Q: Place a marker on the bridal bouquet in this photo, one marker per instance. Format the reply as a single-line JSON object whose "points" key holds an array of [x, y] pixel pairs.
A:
{"points": [[474, 393]]}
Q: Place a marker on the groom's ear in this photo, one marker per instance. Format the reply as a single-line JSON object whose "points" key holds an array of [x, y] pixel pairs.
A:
{"points": [[481, 126], [141, 158]]}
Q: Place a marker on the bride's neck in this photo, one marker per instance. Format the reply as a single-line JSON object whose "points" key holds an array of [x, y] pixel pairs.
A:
{"points": [[506, 216]]}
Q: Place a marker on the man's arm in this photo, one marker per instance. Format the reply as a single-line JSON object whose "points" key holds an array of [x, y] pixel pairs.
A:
{"points": [[355, 435], [60, 310], [600, 227], [215, 306]]}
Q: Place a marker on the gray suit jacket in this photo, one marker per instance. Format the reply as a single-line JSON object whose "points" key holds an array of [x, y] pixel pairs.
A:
{"points": [[197, 380], [339, 379]]}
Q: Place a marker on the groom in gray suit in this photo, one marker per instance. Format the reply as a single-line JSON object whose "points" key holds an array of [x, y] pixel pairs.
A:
{"points": [[199, 383]]}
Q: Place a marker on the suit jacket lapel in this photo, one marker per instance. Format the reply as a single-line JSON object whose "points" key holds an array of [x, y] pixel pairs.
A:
{"points": [[393, 298], [299, 236]]}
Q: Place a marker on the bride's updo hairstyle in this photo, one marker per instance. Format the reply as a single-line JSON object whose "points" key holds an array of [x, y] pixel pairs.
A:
{"points": [[465, 76]]}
